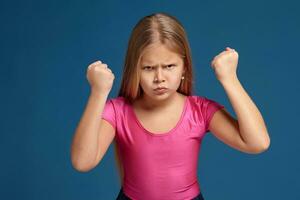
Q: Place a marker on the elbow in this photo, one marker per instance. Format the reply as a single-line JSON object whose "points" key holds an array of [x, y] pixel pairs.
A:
{"points": [[266, 145], [81, 168], [261, 148], [80, 164]]}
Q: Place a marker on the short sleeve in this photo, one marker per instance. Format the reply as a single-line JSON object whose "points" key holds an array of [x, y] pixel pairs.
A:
{"points": [[209, 107], [109, 113]]}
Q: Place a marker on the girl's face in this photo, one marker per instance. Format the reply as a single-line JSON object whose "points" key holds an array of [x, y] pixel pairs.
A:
{"points": [[160, 67]]}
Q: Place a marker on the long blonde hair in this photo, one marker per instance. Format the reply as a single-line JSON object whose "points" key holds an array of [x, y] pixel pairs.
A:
{"points": [[157, 27]]}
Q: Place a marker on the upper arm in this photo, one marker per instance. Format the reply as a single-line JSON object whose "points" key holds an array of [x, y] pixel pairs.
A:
{"points": [[106, 134], [226, 128]]}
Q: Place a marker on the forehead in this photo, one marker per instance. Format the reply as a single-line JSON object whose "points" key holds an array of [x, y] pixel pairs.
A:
{"points": [[159, 53]]}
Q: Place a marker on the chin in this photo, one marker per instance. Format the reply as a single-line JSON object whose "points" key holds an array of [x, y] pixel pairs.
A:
{"points": [[165, 95]]}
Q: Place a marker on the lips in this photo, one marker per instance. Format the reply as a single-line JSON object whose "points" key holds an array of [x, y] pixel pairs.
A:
{"points": [[160, 88]]}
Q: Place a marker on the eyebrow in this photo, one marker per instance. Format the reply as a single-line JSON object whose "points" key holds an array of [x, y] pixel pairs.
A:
{"points": [[171, 63]]}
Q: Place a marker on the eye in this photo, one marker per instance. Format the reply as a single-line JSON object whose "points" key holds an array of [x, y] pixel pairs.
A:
{"points": [[171, 66], [147, 67]]}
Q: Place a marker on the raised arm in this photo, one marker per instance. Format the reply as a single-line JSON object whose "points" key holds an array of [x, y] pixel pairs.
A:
{"points": [[248, 133], [91, 130], [85, 141]]}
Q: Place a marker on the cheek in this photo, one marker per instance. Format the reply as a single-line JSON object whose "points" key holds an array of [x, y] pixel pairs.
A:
{"points": [[144, 82], [176, 82], [176, 78]]}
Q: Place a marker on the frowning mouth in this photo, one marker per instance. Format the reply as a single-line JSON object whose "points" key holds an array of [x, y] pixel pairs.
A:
{"points": [[160, 90]]}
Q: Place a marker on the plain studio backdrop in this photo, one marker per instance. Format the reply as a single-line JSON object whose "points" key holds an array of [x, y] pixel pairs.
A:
{"points": [[46, 47]]}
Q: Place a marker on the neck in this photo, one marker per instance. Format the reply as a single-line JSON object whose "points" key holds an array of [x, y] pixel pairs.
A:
{"points": [[148, 103]]}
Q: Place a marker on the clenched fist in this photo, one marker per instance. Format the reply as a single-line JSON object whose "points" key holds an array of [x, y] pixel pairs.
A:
{"points": [[100, 77], [225, 65]]}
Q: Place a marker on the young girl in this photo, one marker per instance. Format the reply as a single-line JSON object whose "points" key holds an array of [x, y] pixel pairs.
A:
{"points": [[156, 122]]}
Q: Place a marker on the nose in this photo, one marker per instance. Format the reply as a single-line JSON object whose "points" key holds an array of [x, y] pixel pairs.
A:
{"points": [[159, 76]]}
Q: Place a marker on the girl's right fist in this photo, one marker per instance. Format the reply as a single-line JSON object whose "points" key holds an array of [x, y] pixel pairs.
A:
{"points": [[100, 77]]}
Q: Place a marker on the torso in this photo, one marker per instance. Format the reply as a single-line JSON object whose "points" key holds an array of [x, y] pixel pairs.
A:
{"points": [[163, 121]]}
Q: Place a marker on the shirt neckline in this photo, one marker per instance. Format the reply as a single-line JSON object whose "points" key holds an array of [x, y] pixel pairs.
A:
{"points": [[164, 133]]}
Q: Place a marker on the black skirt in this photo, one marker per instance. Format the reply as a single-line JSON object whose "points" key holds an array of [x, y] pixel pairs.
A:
{"points": [[122, 196]]}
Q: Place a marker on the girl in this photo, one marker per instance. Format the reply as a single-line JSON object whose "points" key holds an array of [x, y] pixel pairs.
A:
{"points": [[157, 124]]}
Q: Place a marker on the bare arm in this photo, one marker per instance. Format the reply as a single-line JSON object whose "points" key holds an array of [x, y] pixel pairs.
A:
{"points": [[248, 133], [85, 141], [252, 128]]}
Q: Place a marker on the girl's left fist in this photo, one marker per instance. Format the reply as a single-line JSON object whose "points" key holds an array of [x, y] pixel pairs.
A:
{"points": [[225, 64]]}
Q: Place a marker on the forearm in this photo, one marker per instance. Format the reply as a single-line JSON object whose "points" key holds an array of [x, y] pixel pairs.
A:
{"points": [[251, 124], [85, 142]]}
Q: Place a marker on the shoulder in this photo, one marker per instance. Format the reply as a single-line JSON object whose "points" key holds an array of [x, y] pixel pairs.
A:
{"points": [[112, 107], [203, 102], [198, 100], [117, 102]]}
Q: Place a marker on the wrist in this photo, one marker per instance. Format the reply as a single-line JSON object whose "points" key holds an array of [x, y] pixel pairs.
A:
{"points": [[229, 80], [99, 93]]}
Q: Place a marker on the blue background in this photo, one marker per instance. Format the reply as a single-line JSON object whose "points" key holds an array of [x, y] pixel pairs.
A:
{"points": [[46, 47]]}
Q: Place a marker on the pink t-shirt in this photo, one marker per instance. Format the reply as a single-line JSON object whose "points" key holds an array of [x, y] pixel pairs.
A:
{"points": [[160, 166]]}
